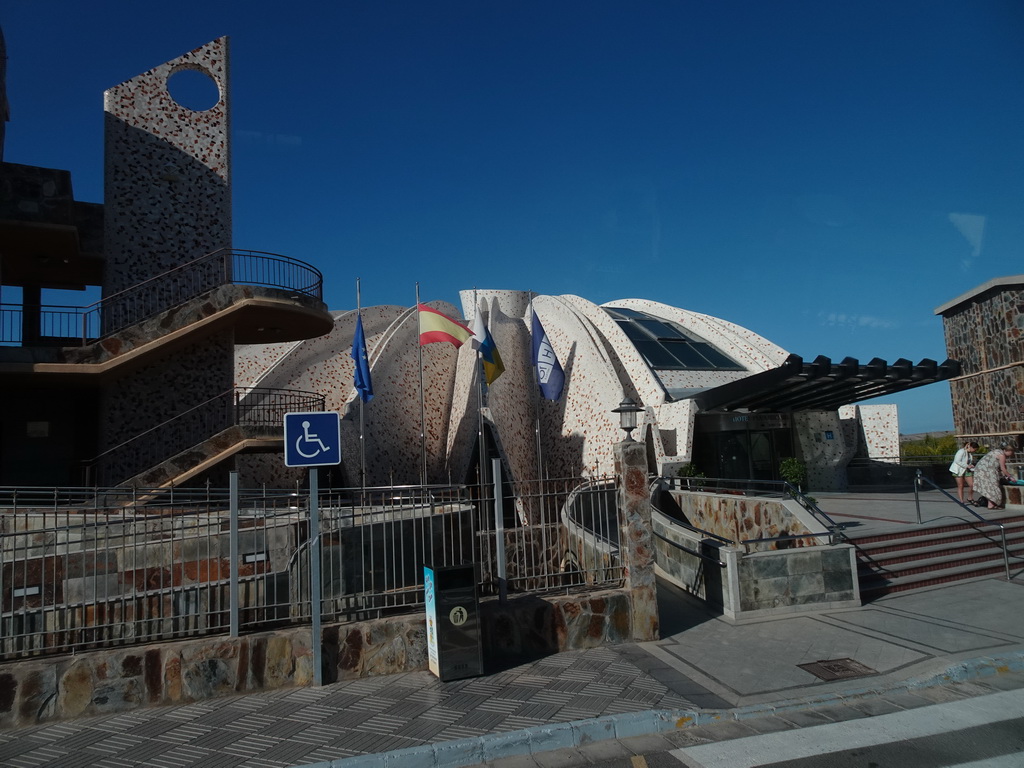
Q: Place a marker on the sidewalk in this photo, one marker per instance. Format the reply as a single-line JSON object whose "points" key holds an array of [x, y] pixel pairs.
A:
{"points": [[915, 647]]}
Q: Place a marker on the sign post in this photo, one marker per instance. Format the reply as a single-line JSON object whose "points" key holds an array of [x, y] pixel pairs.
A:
{"points": [[313, 440]]}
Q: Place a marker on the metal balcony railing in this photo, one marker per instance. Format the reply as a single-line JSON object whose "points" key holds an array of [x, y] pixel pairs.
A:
{"points": [[21, 325]]}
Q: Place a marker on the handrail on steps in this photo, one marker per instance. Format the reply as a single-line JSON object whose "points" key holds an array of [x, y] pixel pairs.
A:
{"points": [[834, 531], [921, 479]]}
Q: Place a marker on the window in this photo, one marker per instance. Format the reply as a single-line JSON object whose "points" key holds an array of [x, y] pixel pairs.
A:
{"points": [[668, 345]]}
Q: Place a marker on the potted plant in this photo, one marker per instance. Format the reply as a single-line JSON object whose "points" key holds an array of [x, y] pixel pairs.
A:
{"points": [[691, 474], [794, 472]]}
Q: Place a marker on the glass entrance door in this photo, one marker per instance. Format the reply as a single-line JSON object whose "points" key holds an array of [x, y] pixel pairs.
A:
{"points": [[742, 455]]}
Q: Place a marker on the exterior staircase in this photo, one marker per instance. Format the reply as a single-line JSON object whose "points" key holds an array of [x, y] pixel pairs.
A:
{"points": [[906, 560]]}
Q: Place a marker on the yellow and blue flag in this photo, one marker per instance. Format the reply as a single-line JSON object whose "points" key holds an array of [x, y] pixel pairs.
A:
{"points": [[484, 342]]}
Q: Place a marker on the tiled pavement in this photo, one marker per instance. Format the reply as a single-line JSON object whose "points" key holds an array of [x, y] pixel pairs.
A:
{"points": [[309, 725], [704, 667]]}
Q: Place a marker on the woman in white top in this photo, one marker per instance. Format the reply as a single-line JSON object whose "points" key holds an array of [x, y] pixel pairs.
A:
{"points": [[963, 470]]}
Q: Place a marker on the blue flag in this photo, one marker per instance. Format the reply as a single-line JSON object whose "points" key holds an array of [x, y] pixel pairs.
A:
{"points": [[362, 375], [550, 375]]}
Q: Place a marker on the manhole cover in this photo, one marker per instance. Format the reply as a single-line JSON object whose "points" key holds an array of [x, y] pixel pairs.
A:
{"points": [[837, 669]]}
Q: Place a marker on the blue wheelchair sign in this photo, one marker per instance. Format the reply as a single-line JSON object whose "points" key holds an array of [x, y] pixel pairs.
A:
{"points": [[312, 439]]}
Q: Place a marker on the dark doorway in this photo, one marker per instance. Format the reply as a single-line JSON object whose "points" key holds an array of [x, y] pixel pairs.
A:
{"points": [[742, 446]]}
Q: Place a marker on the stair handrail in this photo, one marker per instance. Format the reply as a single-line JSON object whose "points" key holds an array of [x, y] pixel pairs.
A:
{"points": [[749, 487], [921, 480], [227, 266], [230, 407], [657, 484]]}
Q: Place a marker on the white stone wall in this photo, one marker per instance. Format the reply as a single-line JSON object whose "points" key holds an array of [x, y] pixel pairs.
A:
{"points": [[167, 190], [577, 432], [167, 201], [391, 420], [824, 447], [879, 430]]}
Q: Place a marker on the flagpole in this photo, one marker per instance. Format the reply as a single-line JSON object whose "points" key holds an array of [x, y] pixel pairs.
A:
{"points": [[537, 400], [362, 423], [481, 448], [423, 408]]}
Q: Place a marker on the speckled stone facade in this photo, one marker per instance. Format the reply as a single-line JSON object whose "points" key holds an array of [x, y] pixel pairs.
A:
{"points": [[167, 202], [823, 448], [984, 330], [601, 367], [570, 437], [873, 431], [167, 184], [391, 420]]}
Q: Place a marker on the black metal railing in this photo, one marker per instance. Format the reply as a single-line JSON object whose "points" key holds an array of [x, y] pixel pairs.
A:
{"points": [[103, 567], [260, 411], [84, 325], [921, 480], [763, 488]]}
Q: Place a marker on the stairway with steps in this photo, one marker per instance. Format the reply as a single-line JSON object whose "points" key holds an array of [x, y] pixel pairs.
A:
{"points": [[903, 560]]}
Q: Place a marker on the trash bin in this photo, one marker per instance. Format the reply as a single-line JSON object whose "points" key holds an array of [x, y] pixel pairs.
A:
{"points": [[454, 645]]}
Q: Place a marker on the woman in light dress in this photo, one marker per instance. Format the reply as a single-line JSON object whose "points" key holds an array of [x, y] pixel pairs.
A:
{"points": [[989, 473]]}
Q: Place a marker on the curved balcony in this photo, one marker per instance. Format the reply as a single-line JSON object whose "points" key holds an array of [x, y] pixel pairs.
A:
{"points": [[278, 299], [263, 297]]}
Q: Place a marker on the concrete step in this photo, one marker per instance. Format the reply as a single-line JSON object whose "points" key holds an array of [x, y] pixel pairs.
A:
{"points": [[951, 540], [873, 589], [912, 559], [961, 546], [937, 562], [910, 535]]}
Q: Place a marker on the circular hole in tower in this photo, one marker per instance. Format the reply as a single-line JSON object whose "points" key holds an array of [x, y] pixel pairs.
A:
{"points": [[193, 89]]}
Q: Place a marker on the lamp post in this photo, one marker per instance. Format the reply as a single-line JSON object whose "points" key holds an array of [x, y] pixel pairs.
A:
{"points": [[628, 410], [636, 551]]}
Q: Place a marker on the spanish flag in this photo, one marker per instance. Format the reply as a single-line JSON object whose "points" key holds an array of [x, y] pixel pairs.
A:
{"points": [[436, 326]]}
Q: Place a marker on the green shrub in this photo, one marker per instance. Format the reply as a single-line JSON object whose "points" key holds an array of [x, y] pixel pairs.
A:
{"points": [[930, 446], [689, 470], [793, 471]]}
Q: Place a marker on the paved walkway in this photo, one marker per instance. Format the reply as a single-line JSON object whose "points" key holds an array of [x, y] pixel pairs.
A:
{"points": [[862, 514], [910, 649]]}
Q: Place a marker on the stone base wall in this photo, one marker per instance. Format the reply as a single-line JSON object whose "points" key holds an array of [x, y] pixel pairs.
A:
{"points": [[116, 680], [1014, 495], [759, 584], [784, 577], [674, 548], [768, 583], [742, 518]]}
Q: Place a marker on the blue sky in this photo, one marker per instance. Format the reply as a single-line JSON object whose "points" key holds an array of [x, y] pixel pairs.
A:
{"points": [[823, 173]]}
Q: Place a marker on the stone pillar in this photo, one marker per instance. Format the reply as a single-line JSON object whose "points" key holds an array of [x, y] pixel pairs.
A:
{"points": [[636, 545]]}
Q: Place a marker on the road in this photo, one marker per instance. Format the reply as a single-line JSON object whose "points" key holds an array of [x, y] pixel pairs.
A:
{"points": [[982, 732]]}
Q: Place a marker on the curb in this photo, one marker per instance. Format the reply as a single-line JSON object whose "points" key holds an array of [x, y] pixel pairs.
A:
{"points": [[546, 738]]}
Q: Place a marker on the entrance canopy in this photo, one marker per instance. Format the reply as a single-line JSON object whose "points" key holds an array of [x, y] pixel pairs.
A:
{"points": [[823, 385]]}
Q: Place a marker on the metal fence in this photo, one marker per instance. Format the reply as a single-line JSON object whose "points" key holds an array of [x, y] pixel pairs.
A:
{"points": [[88, 568], [83, 325]]}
